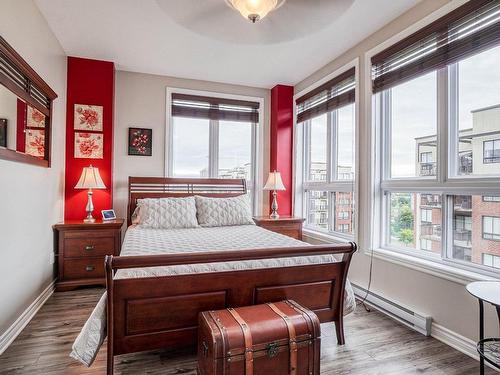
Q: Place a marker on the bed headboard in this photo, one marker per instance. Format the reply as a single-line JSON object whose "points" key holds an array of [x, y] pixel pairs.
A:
{"points": [[162, 187]]}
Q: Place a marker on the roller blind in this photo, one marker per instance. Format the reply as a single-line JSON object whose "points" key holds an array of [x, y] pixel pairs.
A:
{"points": [[214, 108], [333, 94], [470, 29]]}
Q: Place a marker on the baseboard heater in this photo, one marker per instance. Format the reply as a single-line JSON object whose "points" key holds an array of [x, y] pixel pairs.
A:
{"points": [[402, 314]]}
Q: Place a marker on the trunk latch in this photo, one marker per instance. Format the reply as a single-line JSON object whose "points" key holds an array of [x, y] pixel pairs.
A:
{"points": [[272, 349], [205, 348]]}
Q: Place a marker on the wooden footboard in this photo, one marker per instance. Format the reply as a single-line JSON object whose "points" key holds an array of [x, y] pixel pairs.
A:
{"points": [[162, 312]]}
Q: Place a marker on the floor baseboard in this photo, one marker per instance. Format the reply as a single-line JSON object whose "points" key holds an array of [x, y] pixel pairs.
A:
{"points": [[455, 340], [16, 328], [447, 336]]}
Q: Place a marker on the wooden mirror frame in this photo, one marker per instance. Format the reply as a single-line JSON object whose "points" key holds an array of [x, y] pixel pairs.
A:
{"points": [[30, 87]]}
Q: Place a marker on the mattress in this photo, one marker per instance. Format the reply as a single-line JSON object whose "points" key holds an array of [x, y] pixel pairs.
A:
{"points": [[145, 241]]}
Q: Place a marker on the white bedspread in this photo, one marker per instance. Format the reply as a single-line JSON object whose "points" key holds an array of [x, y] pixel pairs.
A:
{"points": [[144, 241]]}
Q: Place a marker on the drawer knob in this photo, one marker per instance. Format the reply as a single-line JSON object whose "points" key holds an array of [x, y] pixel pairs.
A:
{"points": [[89, 268], [89, 247]]}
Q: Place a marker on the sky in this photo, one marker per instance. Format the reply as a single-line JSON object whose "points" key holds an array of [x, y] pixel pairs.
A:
{"points": [[191, 145], [345, 141], [414, 107]]}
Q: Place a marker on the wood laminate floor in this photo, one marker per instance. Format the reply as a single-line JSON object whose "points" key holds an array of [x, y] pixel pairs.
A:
{"points": [[375, 344]]}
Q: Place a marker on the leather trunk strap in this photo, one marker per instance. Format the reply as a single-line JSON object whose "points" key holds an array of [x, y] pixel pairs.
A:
{"points": [[291, 335], [247, 335]]}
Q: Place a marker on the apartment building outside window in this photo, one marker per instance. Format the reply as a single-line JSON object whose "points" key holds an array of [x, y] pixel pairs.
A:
{"points": [[440, 144]]}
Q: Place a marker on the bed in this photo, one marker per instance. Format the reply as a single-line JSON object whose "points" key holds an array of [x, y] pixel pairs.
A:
{"points": [[164, 277]]}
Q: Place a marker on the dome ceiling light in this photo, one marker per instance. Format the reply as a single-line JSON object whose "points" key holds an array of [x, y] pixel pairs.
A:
{"points": [[255, 10]]}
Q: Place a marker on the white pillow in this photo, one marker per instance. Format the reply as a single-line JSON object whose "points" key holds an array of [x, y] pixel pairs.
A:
{"points": [[167, 213], [219, 212]]}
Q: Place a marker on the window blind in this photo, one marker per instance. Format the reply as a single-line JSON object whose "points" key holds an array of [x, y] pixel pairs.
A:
{"points": [[333, 94], [205, 107], [15, 78], [469, 29]]}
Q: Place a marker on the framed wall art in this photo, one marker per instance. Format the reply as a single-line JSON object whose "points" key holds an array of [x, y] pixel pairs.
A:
{"points": [[140, 141], [88, 117], [88, 146]]}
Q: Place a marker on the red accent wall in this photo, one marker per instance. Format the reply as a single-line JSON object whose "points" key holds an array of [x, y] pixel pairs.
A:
{"points": [[89, 82], [282, 143], [20, 126]]}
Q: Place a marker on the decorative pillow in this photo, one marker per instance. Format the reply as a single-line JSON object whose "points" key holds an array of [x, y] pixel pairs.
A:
{"points": [[219, 212], [167, 213], [136, 216]]}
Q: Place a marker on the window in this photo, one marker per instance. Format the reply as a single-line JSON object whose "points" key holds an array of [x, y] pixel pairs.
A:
{"points": [[404, 231], [491, 151], [411, 123], [425, 244], [426, 215], [426, 157], [190, 147], [343, 228], [488, 198], [491, 260], [491, 228], [478, 116], [439, 113], [213, 137], [317, 152], [235, 150], [326, 127], [317, 210]]}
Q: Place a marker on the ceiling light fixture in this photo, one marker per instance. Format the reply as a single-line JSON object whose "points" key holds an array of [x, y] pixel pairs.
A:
{"points": [[255, 10]]}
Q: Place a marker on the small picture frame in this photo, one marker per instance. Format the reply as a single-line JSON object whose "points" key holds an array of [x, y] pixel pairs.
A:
{"points": [[140, 142], [108, 215]]}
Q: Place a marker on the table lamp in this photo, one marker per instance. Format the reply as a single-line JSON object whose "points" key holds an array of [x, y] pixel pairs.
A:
{"points": [[274, 183], [90, 179]]}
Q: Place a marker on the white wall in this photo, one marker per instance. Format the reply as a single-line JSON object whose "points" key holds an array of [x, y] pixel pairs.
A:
{"points": [[140, 101], [446, 301], [31, 197]]}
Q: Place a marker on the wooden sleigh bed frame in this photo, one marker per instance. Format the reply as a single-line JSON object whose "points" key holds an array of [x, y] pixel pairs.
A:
{"points": [[162, 312]]}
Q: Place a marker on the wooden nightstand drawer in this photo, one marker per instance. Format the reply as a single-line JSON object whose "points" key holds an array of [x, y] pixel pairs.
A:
{"points": [[81, 249], [290, 232], [288, 226], [84, 268], [88, 247]]}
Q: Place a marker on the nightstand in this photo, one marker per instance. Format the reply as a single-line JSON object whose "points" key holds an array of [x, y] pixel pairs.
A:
{"points": [[287, 225], [81, 249]]}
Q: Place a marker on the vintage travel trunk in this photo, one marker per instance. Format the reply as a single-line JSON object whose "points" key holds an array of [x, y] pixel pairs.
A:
{"points": [[270, 339]]}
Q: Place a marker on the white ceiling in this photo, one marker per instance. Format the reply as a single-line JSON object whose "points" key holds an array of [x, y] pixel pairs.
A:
{"points": [[205, 39]]}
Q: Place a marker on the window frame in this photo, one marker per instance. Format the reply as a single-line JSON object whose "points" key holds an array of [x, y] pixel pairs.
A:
{"points": [[301, 167], [493, 260], [256, 183], [491, 159], [446, 183], [489, 236], [332, 184]]}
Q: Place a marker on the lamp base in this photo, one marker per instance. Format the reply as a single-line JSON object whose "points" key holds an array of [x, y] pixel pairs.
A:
{"points": [[89, 218], [89, 208], [274, 207]]}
